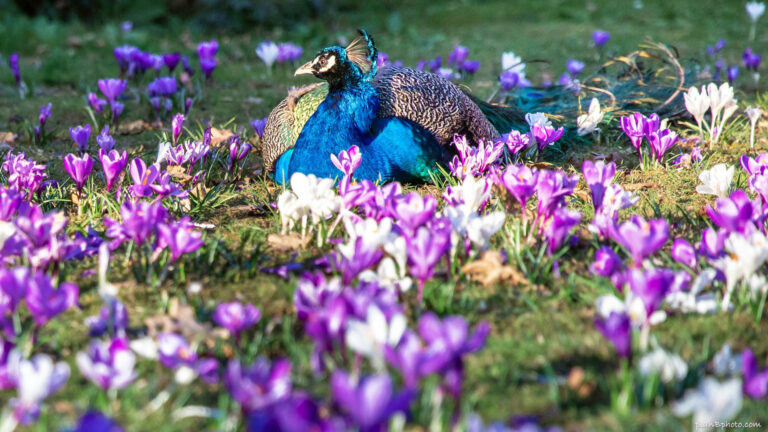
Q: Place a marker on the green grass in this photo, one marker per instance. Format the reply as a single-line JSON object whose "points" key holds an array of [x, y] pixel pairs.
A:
{"points": [[538, 335]]}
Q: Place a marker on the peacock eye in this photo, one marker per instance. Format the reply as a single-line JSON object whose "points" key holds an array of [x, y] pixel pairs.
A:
{"points": [[322, 61]]}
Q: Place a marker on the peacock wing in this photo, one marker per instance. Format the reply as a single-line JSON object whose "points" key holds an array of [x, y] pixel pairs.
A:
{"points": [[434, 103], [287, 119]]}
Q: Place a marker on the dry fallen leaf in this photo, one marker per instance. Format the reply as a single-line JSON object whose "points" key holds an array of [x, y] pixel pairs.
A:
{"points": [[287, 242], [178, 172], [219, 136], [182, 319], [637, 186], [7, 137], [490, 269], [133, 128]]}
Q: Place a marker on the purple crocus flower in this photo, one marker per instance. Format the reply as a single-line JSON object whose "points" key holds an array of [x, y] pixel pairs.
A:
{"points": [[96, 103], [751, 60], [112, 88], [36, 380], [174, 351], [23, 175], [236, 317], [551, 188], [600, 37], [237, 151], [13, 62], [143, 176], [171, 61], [187, 105], [435, 64], [516, 142], [124, 56], [712, 242], [618, 330], [187, 67], [112, 319], [13, 288], [560, 225], [458, 56], [258, 126], [162, 86], [642, 238], [176, 124], [733, 73], [413, 210], [108, 365], [139, 221], [574, 67], [78, 168], [545, 135], [45, 114], [598, 177], [606, 263], [661, 141], [80, 135], [508, 80], [520, 181], [94, 421], [180, 238], [447, 342], [425, 248], [260, 385], [684, 253], [113, 163], [470, 66], [105, 140], [369, 402], [45, 302], [755, 382], [117, 110], [733, 214], [206, 52], [289, 52], [651, 286], [364, 256], [637, 126]]}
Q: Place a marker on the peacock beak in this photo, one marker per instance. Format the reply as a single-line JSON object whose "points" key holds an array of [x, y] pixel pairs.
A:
{"points": [[306, 69]]}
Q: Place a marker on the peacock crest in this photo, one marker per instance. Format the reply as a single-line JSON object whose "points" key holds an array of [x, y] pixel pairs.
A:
{"points": [[363, 53]]}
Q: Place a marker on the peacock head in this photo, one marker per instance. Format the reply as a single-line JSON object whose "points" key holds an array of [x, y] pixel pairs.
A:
{"points": [[339, 65]]}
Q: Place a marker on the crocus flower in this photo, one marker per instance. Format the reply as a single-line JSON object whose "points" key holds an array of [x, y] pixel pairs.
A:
{"points": [[37, 379], [600, 37], [684, 253], [268, 52], [93, 421], [176, 124], [425, 248], [458, 55], [446, 73], [508, 80], [80, 135], [236, 317], [634, 127], [45, 114], [751, 60], [112, 88], [96, 103], [559, 227], [661, 141], [13, 63], [606, 263], [123, 56], [187, 105], [78, 168], [755, 382], [412, 210], [180, 238], [545, 135], [520, 181], [288, 52], [734, 213], [711, 402], [651, 286], [733, 73], [139, 221], [206, 52], [171, 61], [260, 385], [551, 188], [574, 67], [716, 180], [237, 151], [45, 302], [113, 163], [587, 123], [105, 140], [754, 114], [470, 66], [667, 366], [617, 329], [370, 402], [712, 243], [108, 365], [755, 10], [598, 177], [642, 238], [143, 176], [259, 125]]}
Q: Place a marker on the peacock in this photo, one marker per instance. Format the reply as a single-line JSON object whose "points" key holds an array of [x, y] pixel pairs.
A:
{"points": [[404, 119]]}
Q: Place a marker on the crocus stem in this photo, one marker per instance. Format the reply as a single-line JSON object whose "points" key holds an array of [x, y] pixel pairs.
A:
{"points": [[752, 135], [420, 294]]}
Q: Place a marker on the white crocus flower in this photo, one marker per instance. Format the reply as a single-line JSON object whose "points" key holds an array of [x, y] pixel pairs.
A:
{"points": [[697, 103], [480, 229], [387, 276], [726, 363], [397, 248], [757, 285], [745, 256], [755, 10], [162, 152], [310, 199], [107, 291], [588, 122], [711, 402], [373, 233], [368, 338], [512, 62], [669, 367], [36, 379], [268, 52], [632, 306], [145, 347], [716, 180], [7, 230], [754, 114], [291, 211], [690, 301], [538, 118]]}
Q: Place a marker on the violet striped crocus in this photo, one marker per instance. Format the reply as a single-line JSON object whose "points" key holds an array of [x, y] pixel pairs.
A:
{"points": [[179, 237], [236, 317], [734, 214], [551, 188], [110, 365], [617, 328], [642, 238], [176, 125], [112, 88], [370, 402], [412, 210], [143, 177], [651, 286], [80, 135], [425, 248], [78, 168], [661, 141], [260, 385], [545, 135], [684, 253], [637, 126], [559, 227], [598, 176], [113, 163], [607, 263]]}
